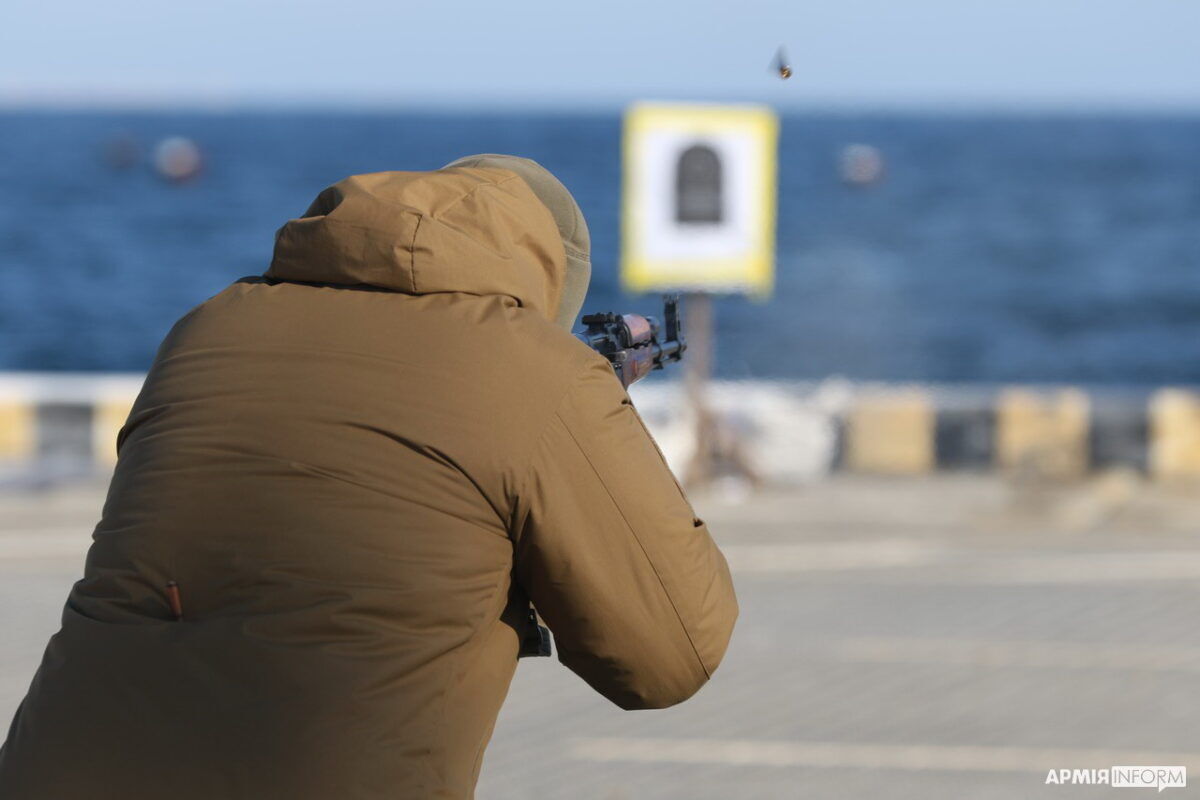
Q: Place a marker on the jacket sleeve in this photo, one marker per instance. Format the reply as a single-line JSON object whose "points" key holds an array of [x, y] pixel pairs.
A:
{"points": [[614, 558]]}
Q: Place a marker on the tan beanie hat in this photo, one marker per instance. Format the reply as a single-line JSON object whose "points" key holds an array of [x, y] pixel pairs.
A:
{"points": [[571, 225]]}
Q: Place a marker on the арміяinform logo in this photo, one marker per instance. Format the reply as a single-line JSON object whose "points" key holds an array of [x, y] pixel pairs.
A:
{"points": [[1123, 777]]}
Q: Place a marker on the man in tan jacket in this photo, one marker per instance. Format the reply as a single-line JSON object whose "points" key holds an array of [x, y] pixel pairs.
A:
{"points": [[337, 494]]}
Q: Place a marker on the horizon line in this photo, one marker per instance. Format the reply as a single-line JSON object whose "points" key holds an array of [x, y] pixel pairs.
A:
{"points": [[226, 102], [466, 107]]}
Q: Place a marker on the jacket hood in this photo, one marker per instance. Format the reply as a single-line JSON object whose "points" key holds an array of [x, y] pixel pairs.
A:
{"points": [[572, 227], [475, 230]]}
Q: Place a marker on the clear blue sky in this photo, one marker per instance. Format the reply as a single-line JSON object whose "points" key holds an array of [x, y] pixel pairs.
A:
{"points": [[926, 53]]}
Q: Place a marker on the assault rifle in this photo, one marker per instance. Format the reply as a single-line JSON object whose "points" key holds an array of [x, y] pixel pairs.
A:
{"points": [[634, 345]]}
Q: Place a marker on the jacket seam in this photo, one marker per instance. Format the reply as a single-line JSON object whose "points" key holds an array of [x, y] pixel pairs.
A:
{"points": [[683, 495], [472, 190], [526, 473], [633, 532], [412, 254]]}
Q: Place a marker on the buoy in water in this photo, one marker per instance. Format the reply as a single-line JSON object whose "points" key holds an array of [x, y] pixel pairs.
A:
{"points": [[860, 164], [177, 159]]}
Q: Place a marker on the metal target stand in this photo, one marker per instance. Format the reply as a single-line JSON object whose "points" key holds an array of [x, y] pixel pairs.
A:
{"points": [[718, 446]]}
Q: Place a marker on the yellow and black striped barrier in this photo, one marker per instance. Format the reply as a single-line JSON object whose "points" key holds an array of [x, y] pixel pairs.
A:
{"points": [[1174, 436], [891, 432], [1052, 432], [18, 428], [63, 418], [794, 431]]}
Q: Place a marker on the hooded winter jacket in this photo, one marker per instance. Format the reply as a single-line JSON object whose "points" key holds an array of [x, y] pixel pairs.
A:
{"points": [[357, 470]]}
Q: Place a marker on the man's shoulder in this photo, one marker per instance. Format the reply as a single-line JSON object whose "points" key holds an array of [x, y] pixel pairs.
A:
{"points": [[533, 330], [514, 348]]}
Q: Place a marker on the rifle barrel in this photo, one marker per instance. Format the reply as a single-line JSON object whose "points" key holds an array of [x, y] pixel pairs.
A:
{"points": [[668, 351]]}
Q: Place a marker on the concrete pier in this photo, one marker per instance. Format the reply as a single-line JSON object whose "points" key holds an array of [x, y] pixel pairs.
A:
{"points": [[902, 637]]}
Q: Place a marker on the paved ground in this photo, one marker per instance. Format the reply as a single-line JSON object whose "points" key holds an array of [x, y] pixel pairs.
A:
{"points": [[948, 637]]}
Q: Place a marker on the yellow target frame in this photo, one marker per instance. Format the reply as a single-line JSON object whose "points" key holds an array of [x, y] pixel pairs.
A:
{"points": [[752, 273]]}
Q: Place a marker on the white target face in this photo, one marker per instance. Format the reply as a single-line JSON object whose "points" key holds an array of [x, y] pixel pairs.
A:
{"points": [[698, 196]]}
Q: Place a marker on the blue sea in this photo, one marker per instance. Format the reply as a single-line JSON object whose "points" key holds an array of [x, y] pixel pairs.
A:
{"points": [[996, 248]]}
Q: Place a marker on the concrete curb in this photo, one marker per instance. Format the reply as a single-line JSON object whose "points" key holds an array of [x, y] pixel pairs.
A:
{"points": [[792, 431], [63, 418], [797, 431]]}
